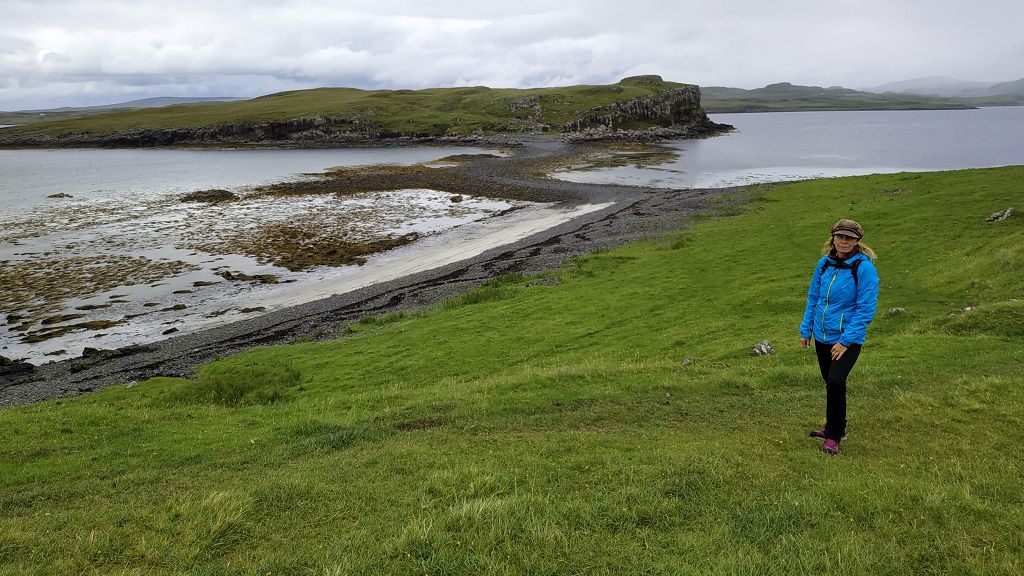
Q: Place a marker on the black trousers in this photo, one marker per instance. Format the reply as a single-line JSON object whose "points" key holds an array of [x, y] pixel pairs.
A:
{"points": [[834, 372]]}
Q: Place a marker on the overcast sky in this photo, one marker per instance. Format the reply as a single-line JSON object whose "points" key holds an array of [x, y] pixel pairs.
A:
{"points": [[84, 52]]}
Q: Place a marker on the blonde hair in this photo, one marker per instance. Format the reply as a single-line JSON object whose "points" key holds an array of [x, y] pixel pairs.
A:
{"points": [[829, 249]]}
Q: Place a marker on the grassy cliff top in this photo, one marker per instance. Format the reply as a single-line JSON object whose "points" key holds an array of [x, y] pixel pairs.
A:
{"points": [[429, 111]]}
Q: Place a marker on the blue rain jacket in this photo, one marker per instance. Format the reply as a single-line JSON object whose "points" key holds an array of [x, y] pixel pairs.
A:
{"points": [[837, 309]]}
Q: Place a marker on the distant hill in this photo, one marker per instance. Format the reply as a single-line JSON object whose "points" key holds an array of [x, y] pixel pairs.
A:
{"points": [[779, 91], [1015, 87], [784, 97], [977, 93], [157, 102], [930, 86], [47, 114]]}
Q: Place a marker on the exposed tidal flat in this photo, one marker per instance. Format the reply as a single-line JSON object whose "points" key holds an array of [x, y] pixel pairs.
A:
{"points": [[138, 260]]}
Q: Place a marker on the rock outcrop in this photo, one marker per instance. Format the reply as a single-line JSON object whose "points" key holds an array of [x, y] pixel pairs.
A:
{"points": [[305, 130], [676, 107], [215, 196], [1000, 216], [764, 348], [284, 133]]}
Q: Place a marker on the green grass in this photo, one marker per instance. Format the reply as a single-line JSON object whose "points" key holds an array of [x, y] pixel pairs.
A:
{"points": [[553, 429], [433, 111], [236, 384]]}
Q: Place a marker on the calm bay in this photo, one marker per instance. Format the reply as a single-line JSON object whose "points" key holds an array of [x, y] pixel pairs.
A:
{"points": [[780, 146]]}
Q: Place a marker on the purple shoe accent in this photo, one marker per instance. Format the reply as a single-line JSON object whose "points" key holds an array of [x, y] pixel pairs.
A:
{"points": [[830, 446]]}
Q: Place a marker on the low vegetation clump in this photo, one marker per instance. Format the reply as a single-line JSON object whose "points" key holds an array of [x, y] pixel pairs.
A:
{"points": [[234, 384], [612, 421], [495, 289]]}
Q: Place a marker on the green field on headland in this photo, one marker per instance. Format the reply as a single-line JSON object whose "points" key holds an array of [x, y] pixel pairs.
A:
{"points": [[549, 425], [639, 102]]}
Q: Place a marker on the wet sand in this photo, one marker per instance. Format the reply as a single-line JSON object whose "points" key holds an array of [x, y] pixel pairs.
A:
{"points": [[432, 252], [577, 219]]}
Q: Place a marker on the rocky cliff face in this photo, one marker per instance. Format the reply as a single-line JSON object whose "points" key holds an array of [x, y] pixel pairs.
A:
{"points": [[306, 130], [676, 107]]}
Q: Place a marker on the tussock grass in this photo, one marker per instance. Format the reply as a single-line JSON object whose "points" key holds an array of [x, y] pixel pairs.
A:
{"points": [[388, 318], [555, 429], [499, 288], [232, 384]]}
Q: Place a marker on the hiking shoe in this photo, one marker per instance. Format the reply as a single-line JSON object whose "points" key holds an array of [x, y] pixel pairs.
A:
{"points": [[830, 446], [820, 433]]}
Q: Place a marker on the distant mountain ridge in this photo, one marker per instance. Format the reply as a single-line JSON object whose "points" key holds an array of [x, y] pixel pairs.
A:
{"points": [[950, 87], [933, 93], [69, 112], [787, 97], [156, 102], [779, 90], [1015, 87]]}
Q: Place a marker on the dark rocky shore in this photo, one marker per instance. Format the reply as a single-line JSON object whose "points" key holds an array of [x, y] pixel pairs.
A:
{"points": [[635, 213]]}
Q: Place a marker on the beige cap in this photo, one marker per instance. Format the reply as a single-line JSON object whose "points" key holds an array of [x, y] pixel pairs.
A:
{"points": [[848, 228]]}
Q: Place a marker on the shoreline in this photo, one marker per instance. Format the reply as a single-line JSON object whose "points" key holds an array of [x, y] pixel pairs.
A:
{"points": [[606, 215], [451, 247]]}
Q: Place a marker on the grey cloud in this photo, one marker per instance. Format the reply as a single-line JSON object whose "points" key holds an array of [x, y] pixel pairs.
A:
{"points": [[63, 51]]}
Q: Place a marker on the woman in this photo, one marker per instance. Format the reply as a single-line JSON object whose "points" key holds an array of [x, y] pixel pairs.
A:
{"points": [[840, 304]]}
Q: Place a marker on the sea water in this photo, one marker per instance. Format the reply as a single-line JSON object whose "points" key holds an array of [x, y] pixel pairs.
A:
{"points": [[781, 146]]}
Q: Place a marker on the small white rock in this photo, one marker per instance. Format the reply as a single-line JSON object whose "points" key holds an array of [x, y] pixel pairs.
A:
{"points": [[763, 348]]}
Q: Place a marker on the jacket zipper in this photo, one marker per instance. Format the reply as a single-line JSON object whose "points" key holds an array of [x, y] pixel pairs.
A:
{"points": [[841, 318], [824, 335]]}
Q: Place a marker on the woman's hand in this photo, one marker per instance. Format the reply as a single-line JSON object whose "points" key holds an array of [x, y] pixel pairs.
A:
{"points": [[805, 342], [837, 351]]}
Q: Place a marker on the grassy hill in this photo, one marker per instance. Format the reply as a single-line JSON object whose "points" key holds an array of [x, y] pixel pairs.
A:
{"points": [[430, 112], [786, 97], [553, 427]]}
